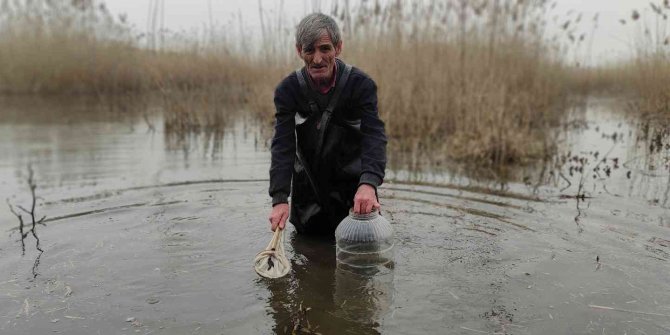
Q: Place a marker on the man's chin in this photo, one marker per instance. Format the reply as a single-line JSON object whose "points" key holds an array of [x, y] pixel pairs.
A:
{"points": [[319, 76]]}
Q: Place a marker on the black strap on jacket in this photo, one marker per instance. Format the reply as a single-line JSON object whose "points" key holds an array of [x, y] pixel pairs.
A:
{"points": [[313, 107], [325, 118], [328, 112]]}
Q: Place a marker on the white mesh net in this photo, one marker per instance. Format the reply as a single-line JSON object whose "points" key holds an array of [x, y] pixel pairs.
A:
{"points": [[272, 262]]}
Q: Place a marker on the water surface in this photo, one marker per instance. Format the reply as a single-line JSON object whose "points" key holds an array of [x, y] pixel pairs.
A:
{"points": [[153, 233]]}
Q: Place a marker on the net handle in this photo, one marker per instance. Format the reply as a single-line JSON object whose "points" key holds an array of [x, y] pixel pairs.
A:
{"points": [[276, 238]]}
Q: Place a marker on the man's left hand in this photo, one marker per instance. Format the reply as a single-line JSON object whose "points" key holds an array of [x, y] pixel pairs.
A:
{"points": [[365, 200]]}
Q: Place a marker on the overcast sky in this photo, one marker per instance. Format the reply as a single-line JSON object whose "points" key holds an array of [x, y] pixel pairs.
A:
{"points": [[611, 39]]}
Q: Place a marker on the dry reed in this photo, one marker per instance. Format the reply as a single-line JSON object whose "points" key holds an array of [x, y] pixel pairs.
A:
{"points": [[645, 77], [466, 80], [78, 47], [48, 47]]}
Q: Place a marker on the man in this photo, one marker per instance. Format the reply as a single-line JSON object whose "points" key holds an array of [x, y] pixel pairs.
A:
{"points": [[329, 146]]}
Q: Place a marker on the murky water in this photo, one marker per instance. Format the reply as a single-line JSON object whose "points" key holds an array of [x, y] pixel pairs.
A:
{"points": [[150, 233]]}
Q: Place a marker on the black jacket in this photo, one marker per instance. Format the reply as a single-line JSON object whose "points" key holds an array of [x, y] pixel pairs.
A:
{"points": [[353, 151]]}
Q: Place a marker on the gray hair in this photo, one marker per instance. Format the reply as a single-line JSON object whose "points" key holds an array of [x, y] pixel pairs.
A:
{"points": [[312, 26]]}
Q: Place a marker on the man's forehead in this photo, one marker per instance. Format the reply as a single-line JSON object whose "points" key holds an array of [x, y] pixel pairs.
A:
{"points": [[323, 39]]}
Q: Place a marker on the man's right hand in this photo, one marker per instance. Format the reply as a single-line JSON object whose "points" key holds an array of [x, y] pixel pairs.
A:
{"points": [[278, 216]]}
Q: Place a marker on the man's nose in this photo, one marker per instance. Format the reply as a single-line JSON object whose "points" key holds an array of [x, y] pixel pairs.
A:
{"points": [[317, 57]]}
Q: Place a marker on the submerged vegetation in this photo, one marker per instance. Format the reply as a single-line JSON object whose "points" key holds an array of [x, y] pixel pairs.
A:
{"points": [[475, 81]]}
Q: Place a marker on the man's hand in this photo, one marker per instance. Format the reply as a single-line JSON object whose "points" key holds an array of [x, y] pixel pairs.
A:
{"points": [[278, 216], [365, 200]]}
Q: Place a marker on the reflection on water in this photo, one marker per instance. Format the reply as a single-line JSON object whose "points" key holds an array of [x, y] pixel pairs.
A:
{"points": [[163, 225], [599, 149], [337, 299], [618, 154], [363, 297], [650, 160]]}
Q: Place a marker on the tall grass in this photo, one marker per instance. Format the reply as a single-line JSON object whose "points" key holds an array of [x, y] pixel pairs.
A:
{"points": [[649, 72], [649, 76], [466, 80], [645, 77], [474, 81], [49, 47], [79, 47]]}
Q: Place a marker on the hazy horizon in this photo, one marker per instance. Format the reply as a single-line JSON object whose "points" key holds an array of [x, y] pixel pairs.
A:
{"points": [[611, 40]]}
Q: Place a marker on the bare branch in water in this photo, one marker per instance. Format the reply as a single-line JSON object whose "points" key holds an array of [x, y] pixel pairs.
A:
{"points": [[566, 180], [23, 235], [23, 209], [33, 230]]}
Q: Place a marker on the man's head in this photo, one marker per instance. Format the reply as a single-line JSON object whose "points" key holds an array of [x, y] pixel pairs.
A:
{"points": [[318, 42]]}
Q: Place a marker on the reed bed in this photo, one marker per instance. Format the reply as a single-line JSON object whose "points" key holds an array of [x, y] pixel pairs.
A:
{"points": [[48, 47], [78, 47], [645, 77], [464, 80], [475, 81]]}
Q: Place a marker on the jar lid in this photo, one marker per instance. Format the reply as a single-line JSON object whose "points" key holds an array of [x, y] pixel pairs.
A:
{"points": [[363, 217]]}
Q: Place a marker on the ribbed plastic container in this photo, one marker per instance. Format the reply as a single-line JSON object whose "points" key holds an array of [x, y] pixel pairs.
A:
{"points": [[364, 242]]}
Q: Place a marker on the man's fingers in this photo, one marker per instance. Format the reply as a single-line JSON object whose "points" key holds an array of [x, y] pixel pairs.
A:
{"points": [[282, 221], [362, 206], [368, 207], [357, 206], [278, 216], [376, 206]]}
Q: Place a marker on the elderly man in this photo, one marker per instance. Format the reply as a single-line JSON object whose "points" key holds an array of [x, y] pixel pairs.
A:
{"points": [[329, 140]]}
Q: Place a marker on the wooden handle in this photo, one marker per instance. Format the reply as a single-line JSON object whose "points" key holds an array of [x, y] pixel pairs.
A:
{"points": [[275, 239]]}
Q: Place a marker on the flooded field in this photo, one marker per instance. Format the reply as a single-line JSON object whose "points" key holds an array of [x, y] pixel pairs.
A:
{"points": [[151, 233]]}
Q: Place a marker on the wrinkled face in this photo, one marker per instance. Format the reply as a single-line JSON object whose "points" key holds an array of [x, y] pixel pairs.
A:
{"points": [[319, 58]]}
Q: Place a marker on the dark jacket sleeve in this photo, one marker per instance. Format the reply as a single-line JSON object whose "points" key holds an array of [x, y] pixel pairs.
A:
{"points": [[283, 143], [373, 148]]}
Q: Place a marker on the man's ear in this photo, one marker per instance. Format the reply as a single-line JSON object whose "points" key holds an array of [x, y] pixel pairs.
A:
{"points": [[338, 48], [298, 49]]}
